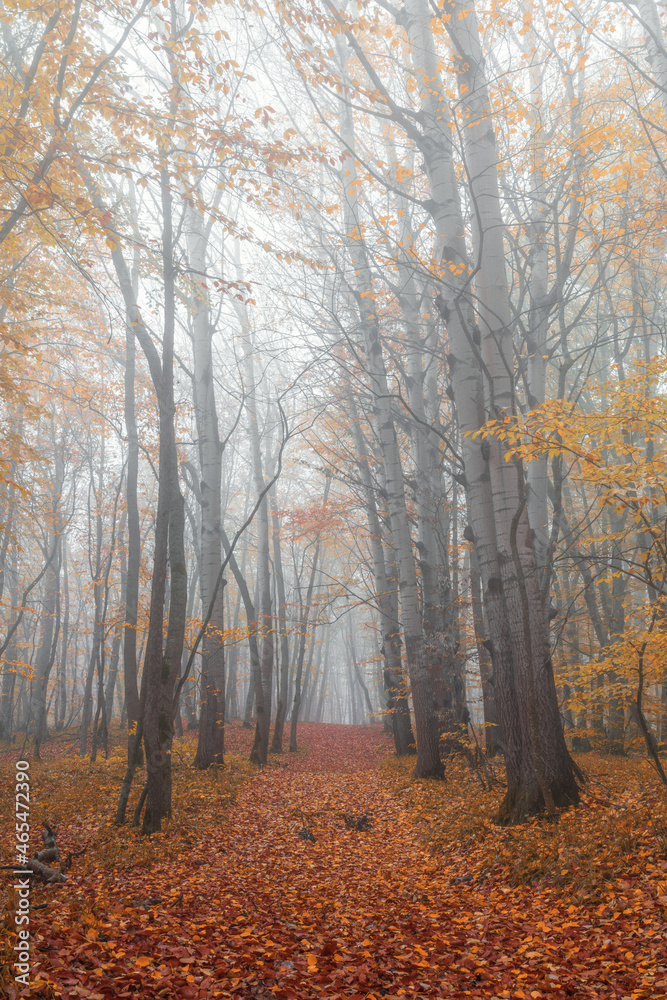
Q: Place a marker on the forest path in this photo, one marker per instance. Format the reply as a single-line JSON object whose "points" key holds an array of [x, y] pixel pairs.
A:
{"points": [[370, 914], [249, 910], [354, 913]]}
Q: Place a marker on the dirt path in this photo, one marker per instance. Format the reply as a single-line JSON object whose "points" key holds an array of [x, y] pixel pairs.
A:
{"points": [[366, 914]]}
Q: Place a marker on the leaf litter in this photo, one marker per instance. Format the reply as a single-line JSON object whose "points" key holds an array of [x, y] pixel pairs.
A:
{"points": [[427, 898]]}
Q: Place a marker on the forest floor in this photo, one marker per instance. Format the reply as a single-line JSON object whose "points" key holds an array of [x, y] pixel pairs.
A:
{"points": [[431, 901]]}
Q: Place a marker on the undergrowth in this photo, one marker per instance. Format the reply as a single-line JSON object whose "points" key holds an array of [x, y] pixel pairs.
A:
{"points": [[78, 799], [620, 823]]}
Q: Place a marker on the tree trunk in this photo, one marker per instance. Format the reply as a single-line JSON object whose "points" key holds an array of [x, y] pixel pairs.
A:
{"points": [[539, 768], [96, 569], [130, 672], [303, 630], [281, 709], [386, 599], [231, 690], [9, 658], [251, 619], [356, 671], [210, 748], [188, 694], [492, 734], [437, 600], [61, 681], [50, 605], [428, 764], [263, 681], [654, 42], [540, 771], [47, 646], [163, 669]]}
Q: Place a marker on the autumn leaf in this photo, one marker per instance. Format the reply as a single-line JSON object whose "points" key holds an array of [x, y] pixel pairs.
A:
{"points": [[433, 891]]}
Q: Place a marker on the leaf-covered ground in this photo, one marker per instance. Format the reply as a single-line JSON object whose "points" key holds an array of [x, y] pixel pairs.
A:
{"points": [[237, 900]]}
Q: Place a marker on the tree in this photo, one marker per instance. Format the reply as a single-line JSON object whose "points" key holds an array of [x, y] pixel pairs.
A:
{"points": [[428, 762], [212, 720]]}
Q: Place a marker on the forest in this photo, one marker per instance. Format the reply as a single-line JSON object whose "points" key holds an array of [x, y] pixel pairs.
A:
{"points": [[333, 498]]}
